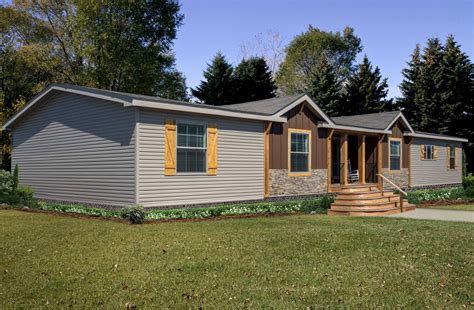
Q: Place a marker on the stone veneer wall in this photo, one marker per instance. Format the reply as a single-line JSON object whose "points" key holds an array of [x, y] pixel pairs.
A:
{"points": [[283, 185], [400, 178]]}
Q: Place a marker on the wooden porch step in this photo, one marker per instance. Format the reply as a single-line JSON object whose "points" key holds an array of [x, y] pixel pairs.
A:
{"points": [[358, 189], [368, 205], [364, 194], [363, 199], [379, 212]]}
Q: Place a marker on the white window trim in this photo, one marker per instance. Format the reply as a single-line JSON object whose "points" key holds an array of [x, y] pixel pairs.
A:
{"points": [[197, 123], [299, 131], [426, 153], [452, 147]]}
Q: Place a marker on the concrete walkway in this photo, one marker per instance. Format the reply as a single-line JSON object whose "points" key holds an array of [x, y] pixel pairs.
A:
{"points": [[438, 214]]}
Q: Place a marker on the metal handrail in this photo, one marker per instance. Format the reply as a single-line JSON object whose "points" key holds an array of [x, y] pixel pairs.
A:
{"points": [[402, 192]]}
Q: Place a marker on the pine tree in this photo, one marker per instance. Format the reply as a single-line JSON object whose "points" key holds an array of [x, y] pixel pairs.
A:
{"points": [[365, 91], [253, 80], [217, 88], [430, 98], [325, 90], [410, 88], [456, 84], [438, 92]]}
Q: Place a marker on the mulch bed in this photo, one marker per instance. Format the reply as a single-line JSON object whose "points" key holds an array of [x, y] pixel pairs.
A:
{"points": [[426, 204]]}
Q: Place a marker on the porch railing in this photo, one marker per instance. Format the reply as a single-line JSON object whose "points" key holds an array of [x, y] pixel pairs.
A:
{"points": [[401, 191]]}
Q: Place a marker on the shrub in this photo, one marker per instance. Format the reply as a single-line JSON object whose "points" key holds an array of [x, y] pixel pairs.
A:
{"points": [[24, 195], [134, 214], [6, 183], [16, 178], [417, 197], [319, 205], [79, 209], [468, 181], [326, 202], [469, 191]]}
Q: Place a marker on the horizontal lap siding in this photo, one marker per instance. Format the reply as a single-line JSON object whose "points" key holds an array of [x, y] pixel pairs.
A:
{"points": [[78, 149], [433, 172], [240, 164]]}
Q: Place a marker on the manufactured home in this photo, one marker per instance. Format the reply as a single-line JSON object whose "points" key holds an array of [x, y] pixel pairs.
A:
{"points": [[85, 145]]}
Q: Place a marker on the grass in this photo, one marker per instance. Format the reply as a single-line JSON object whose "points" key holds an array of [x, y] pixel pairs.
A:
{"points": [[465, 207], [281, 262]]}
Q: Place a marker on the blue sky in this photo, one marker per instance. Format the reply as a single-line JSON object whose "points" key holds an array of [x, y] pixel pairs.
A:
{"points": [[389, 29]]}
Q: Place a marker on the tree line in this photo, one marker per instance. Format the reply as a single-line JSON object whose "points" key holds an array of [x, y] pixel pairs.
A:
{"points": [[128, 46]]}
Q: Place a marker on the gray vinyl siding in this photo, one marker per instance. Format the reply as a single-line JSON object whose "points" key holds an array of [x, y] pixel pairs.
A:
{"points": [[240, 163], [434, 172], [78, 149]]}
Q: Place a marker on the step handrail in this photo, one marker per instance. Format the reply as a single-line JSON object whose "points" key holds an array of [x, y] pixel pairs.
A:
{"points": [[402, 192]]}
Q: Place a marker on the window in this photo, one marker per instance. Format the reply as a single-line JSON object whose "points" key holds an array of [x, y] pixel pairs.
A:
{"points": [[395, 154], [300, 152], [191, 148], [429, 152], [452, 157]]}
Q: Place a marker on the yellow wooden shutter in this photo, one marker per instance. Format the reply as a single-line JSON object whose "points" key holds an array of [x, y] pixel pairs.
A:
{"points": [[170, 147], [456, 160], [422, 151], [212, 149], [435, 152], [448, 154]]}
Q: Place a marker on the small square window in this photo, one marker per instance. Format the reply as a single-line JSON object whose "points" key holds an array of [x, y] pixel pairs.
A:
{"points": [[429, 152]]}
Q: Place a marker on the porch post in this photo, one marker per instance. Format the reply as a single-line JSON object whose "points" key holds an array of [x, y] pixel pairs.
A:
{"points": [[344, 165], [266, 163], [362, 159], [379, 162], [329, 159]]}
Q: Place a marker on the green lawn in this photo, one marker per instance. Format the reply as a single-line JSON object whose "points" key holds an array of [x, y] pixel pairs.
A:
{"points": [[469, 207], [282, 262]]}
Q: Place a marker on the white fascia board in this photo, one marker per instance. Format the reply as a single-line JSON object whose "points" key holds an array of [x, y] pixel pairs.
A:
{"points": [[405, 121], [350, 128], [47, 91], [420, 135], [311, 103], [207, 111]]}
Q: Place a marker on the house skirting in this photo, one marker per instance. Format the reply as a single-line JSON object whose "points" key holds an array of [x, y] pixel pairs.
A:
{"points": [[281, 184], [415, 188]]}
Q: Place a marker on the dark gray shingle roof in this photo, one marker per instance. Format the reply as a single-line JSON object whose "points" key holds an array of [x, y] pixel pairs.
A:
{"points": [[435, 135], [266, 106], [378, 121], [261, 107]]}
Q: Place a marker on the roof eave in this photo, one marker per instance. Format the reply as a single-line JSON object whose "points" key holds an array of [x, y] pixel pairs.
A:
{"points": [[357, 129], [420, 135], [29, 105], [312, 104], [206, 111], [405, 121]]}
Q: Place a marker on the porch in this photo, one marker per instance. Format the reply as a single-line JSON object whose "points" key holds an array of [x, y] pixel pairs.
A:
{"points": [[353, 159]]}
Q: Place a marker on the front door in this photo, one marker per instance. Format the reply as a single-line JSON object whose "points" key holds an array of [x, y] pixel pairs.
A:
{"points": [[336, 161], [371, 159]]}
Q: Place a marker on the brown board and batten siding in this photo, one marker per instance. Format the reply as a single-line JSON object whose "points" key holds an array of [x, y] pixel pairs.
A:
{"points": [[397, 132], [77, 148], [240, 162], [279, 139], [435, 171]]}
